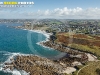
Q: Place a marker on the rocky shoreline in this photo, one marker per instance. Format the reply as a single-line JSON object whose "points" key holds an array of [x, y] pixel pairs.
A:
{"points": [[71, 52], [35, 65]]}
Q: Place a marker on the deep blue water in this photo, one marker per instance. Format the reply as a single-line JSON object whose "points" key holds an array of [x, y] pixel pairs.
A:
{"points": [[20, 41]]}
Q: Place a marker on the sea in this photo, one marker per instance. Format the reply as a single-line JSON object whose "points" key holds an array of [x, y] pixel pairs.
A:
{"points": [[15, 42]]}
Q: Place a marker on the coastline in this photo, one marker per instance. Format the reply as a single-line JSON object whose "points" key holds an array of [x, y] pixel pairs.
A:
{"points": [[26, 65], [42, 32], [47, 39], [47, 35], [10, 59], [90, 57]]}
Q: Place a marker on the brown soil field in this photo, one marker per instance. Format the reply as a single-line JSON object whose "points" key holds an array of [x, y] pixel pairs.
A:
{"points": [[78, 39]]}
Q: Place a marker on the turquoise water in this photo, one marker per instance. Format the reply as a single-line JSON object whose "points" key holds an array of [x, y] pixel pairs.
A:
{"points": [[18, 41]]}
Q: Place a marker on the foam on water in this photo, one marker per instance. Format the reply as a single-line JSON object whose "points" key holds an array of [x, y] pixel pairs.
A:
{"points": [[12, 55], [39, 43], [42, 32], [24, 72], [5, 52], [15, 71], [0, 67], [47, 35]]}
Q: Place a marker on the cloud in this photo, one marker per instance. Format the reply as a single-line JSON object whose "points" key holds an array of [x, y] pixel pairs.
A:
{"points": [[64, 13]]}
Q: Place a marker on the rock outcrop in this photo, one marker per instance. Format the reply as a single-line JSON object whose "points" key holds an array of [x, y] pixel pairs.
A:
{"points": [[35, 65]]}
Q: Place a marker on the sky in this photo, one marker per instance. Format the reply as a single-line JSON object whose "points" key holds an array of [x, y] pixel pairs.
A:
{"points": [[57, 9]]}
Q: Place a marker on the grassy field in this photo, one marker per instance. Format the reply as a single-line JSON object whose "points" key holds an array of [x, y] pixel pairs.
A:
{"points": [[41, 28], [93, 49], [92, 68], [55, 22], [81, 42]]}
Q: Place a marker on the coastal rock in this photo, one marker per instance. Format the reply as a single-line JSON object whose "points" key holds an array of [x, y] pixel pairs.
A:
{"points": [[74, 54], [36, 65]]}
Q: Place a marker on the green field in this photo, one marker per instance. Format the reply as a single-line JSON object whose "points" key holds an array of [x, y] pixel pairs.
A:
{"points": [[92, 68]]}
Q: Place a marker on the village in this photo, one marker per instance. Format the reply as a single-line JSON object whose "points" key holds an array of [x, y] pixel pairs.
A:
{"points": [[77, 26]]}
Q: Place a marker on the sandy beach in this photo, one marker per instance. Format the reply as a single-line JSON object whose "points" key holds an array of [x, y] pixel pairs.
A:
{"points": [[42, 32]]}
